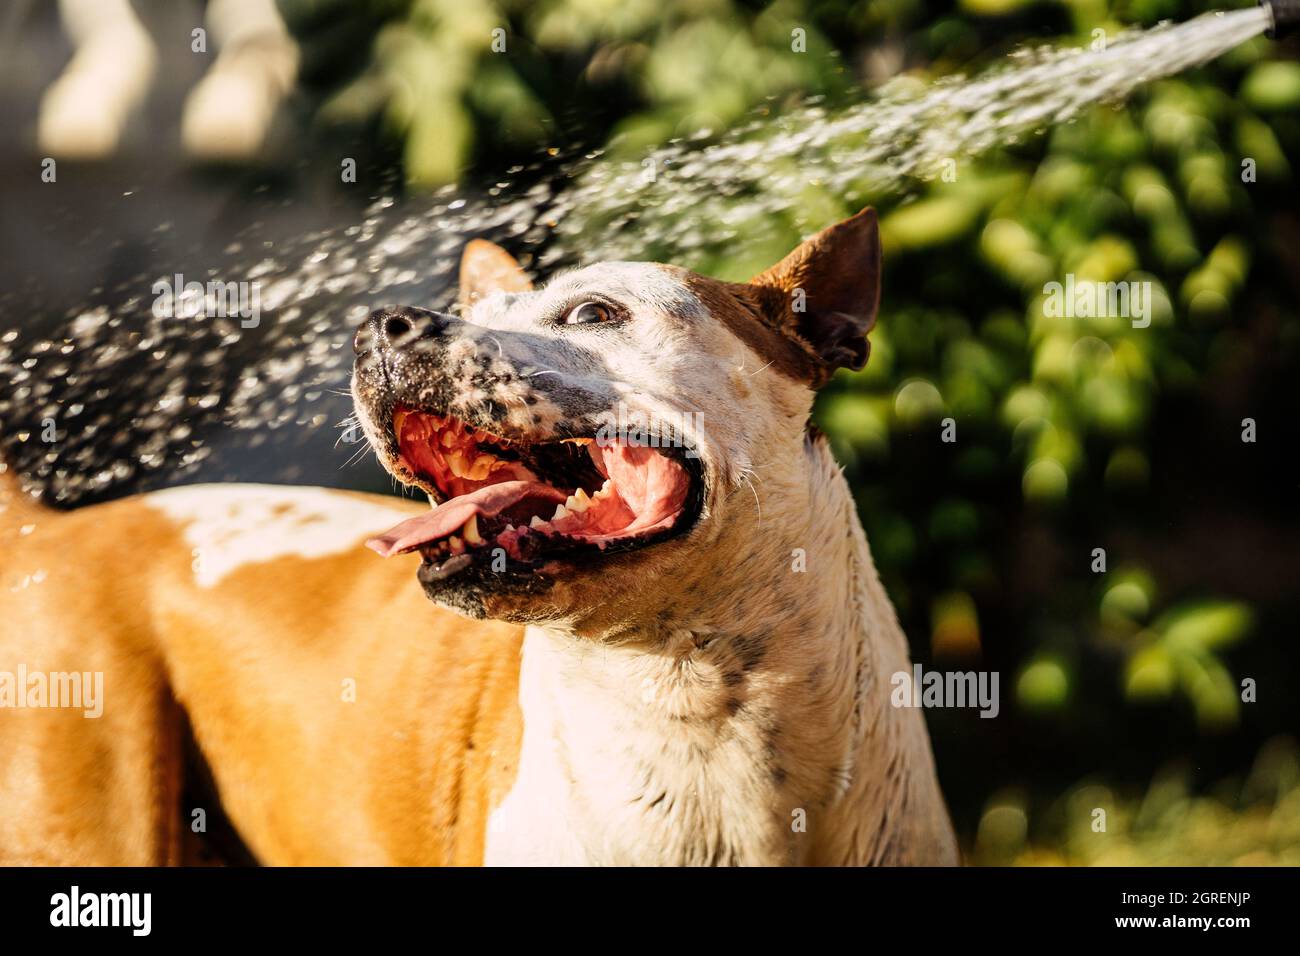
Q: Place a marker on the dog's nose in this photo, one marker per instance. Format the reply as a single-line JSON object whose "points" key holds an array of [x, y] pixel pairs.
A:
{"points": [[391, 329]]}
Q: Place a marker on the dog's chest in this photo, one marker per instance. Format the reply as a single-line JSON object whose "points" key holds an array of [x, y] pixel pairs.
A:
{"points": [[606, 779]]}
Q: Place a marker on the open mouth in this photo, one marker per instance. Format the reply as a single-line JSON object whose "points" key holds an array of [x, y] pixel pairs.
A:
{"points": [[531, 502]]}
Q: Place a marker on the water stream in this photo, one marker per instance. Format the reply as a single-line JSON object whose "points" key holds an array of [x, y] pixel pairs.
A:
{"points": [[123, 398]]}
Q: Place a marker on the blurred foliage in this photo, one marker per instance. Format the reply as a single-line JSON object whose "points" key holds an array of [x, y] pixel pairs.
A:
{"points": [[1244, 822], [447, 76], [985, 543], [1150, 193]]}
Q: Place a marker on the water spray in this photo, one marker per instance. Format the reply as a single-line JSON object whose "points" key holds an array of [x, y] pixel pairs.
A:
{"points": [[289, 376], [1283, 15]]}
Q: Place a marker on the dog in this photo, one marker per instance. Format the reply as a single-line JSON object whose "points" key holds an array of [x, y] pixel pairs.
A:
{"points": [[659, 637]]}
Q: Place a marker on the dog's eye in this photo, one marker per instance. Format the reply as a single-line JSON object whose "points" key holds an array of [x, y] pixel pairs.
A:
{"points": [[588, 313]]}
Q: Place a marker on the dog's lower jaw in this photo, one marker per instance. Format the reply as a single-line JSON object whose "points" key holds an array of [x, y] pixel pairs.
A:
{"points": [[768, 742]]}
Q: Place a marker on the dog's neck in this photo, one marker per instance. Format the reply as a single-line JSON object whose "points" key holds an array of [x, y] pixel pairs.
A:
{"points": [[748, 722]]}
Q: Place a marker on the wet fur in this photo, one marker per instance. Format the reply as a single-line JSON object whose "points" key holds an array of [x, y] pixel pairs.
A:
{"points": [[697, 702]]}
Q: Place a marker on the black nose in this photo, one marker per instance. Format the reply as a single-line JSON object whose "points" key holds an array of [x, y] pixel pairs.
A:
{"points": [[389, 330]]}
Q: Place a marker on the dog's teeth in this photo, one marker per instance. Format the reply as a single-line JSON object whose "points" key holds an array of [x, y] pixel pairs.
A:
{"points": [[536, 522], [481, 468], [509, 527], [559, 513], [398, 419], [605, 489], [578, 502], [471, 531], [457, 546], [433, 502], [448, 439], [456, 462]]}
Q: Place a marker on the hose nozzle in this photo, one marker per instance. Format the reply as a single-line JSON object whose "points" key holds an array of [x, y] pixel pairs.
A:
{"points": [[1284, 17]]}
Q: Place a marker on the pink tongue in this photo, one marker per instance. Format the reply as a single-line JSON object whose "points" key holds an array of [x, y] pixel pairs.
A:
{"points": [[653, 485], [449, 516]]}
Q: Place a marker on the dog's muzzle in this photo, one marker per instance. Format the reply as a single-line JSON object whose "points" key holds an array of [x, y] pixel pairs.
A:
{"points": [[514, 472]]}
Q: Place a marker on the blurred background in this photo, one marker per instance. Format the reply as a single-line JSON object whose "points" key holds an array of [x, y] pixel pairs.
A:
{"points": [[344, 150]]}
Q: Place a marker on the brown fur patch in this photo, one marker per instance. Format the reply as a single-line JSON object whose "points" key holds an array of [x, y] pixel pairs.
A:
{"points": [[486, 268], [837, 274], [838, 271], [406, 774], [746, 310]]}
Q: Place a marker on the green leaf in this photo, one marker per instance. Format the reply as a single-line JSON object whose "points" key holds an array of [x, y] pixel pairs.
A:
{"points": [[1205, 626], [1149, 674], [1274, 85], [1043, 685]]}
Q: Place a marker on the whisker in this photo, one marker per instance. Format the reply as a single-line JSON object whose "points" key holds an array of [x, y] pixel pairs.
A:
{"points": [[357, 457], [745, 478]]}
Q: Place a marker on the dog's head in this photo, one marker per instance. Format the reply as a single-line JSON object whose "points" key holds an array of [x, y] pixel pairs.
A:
{"points": [[585, 442]]}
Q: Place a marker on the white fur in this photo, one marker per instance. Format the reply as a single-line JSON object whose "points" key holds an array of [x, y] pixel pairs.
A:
{"points": [[705, 700], [632, 756], [608, 777], [230, 526]]}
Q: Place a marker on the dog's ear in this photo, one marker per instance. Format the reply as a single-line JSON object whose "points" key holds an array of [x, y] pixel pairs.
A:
{"points": [[824, 295], [486, 268]]}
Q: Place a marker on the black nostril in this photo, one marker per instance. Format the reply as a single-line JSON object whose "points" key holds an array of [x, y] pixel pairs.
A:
{"points": [[396, 327], [392, 329]]}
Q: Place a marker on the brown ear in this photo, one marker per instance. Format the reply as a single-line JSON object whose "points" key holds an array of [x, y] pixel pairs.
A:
{"points": [[825, 294], [486, 268]]}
